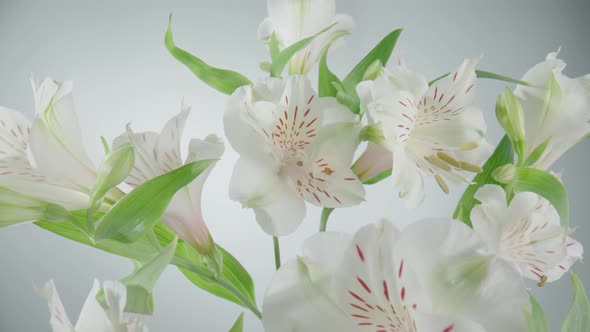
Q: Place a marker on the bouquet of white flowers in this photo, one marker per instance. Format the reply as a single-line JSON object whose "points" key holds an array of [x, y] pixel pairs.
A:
{"points": [[302, 144]]}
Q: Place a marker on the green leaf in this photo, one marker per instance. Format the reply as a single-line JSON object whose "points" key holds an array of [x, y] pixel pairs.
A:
{"points": [[489, 75], [536, 154], [273, 46], [141, 209], [545, 185], [223, 80], [327, 80], [239, 324], [280, 60], [578, 317], [234, 284], [536, 318], [141, 282], [502, 155], [381, 52]]}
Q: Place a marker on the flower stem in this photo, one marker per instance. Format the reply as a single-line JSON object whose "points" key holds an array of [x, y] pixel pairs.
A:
{"points": [[277, 247], [324, 219]]}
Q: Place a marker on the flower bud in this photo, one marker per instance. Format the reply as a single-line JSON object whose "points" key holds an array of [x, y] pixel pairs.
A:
{"points": [[373, 71], [113, 170], [504, 174], [510, 114]]}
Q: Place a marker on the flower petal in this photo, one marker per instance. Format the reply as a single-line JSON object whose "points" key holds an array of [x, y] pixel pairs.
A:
{"points": [[574, 253], [295, 302], [278, 209], [92, 316], [56, 135], [14, 133], [407, 178], [555, 106], [115, 294], [58, 317]]}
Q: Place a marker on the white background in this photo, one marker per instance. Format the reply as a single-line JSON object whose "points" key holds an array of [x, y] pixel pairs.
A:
{"points": [[122, 73]]}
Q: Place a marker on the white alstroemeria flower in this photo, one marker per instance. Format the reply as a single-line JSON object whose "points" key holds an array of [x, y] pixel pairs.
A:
{"points": [[431, 131], [294, 147], [45, 159], [525, 233], [293, 20], [556, 107], [92, 318], [157, 154], [428, 277]]}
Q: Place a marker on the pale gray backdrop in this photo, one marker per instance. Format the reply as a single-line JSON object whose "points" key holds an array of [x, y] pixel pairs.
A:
{"points": [[115, 54]]}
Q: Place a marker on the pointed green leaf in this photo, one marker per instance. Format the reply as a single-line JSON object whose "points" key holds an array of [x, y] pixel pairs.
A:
{"points": [[488, 75], [234, 283], [280, 60], [381, 52], [327, 81], [223, 80], [578, 317], [502, 155], [536, 154], [536, 318], [543, 184], [140, 210], [141, 282], [239, 324]]}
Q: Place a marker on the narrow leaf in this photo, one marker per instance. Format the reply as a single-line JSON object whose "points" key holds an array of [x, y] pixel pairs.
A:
{"points": [[239, 324], [327, 80], [536, 154], [223, 80], [536, 318], [545, 185], [578, 317], [280, 60], [381, 52], [141, 209], [502, 155], [489, 75]]}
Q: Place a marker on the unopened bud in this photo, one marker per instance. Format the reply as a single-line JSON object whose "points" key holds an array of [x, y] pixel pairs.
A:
{"points": [[504, 174], [511, 116], [373, 71]]}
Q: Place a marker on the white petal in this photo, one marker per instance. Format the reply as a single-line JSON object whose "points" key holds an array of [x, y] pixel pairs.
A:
{"points": [[558, 111], [58, 318], [92, 316], [14, 133], [326, 249], [278, 209], [294, 301], [429, 322], [446, 248], [240, 133], [407, 178], [334, 183], [574, 253], [115, 295], [56, 135], [400, 78], [17, 174]]}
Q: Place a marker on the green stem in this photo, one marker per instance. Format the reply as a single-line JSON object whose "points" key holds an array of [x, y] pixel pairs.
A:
{"points": [[324, 219], [277, 247]]}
